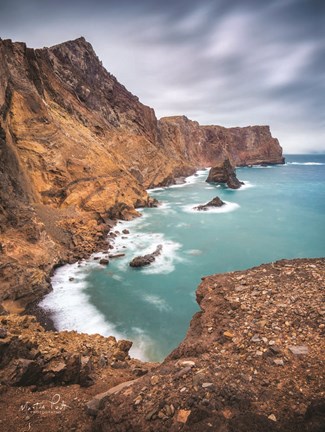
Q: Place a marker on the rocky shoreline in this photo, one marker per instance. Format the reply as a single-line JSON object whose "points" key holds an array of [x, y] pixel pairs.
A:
{"points": [[252, 360]]}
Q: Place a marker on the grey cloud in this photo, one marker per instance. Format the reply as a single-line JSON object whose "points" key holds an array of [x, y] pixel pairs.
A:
{"points": [[216, 61]]}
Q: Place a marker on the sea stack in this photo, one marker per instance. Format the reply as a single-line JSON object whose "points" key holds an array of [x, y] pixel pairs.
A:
{"points": [[224, 173]]}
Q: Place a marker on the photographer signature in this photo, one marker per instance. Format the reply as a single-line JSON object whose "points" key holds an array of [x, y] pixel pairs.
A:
{"points": [[55, 405]]}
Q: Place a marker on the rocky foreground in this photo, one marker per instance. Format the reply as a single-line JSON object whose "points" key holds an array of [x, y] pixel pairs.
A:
{"points": [[252, 360]]}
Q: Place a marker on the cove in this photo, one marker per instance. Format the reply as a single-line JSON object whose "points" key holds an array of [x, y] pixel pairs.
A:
{"points": [[279, 213]]}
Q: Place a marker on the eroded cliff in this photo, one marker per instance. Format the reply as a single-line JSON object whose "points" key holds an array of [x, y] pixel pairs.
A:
{"points": [[78, 149]]}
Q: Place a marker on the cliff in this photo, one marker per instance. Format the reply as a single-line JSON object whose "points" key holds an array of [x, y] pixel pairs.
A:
{"points": [[78, 149], [210, 145]]}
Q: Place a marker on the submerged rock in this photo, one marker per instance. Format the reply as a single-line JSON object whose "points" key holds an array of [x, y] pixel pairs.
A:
{"points": [[224, 173], [118, 255], [215, 202], [145, 260]]}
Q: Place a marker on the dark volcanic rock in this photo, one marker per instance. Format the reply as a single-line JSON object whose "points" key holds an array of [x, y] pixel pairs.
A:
{"points": [[24, 372], [224, 173], [215, 202], [145, 260]]}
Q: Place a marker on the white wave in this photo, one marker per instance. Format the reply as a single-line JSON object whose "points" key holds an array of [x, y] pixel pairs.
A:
{"points": [[263, 167], [305, 163], [181, 185], [71, 310], [247, 185], [229, 207], [142, 243], [70, 305], [157, 189], [157, 301], [194, 252], [165, 207], [196, 177], [183, 225], [143, 346], [165, 262]]}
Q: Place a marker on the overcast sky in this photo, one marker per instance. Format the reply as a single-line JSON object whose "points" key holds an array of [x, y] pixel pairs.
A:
{"points": [[226, 62]]}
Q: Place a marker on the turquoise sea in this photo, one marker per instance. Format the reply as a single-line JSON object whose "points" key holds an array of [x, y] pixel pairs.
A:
{"points": [[279, 213]]}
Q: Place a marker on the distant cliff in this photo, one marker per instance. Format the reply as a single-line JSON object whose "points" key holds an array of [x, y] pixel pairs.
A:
{"points": [[78, 149]]}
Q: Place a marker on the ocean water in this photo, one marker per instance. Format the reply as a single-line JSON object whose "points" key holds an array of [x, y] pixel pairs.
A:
{"points": [[279, 213]]}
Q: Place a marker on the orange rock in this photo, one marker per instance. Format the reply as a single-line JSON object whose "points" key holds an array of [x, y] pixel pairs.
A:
{"points": [[183, 415], [227, 413], [228, 334]]}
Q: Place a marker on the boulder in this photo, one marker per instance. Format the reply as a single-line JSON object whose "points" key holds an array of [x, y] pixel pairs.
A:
{"points": [[224, 173], [98, 401], [215, 202], [145, 260], [23, 372]]}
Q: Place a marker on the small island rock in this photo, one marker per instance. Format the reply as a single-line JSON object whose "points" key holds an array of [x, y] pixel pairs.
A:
{"points": [[224, 173], [215, 202], [144, 260]]}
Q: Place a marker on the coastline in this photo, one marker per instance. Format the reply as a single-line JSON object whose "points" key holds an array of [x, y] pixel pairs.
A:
{"points": [[214, 361], [199, 175], [45, 317]]}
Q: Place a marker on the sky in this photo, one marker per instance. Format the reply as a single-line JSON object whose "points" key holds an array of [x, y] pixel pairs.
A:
{"points": [[225, 62]]}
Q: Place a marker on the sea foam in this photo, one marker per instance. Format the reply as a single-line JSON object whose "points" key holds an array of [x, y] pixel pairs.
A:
{"points": [[187, 181], [228, 207], [247, 185], [138, 242], [157, 302], [70, 306], [70, 309], [305, 163]]}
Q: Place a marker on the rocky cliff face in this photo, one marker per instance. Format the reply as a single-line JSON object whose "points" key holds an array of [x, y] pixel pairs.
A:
{"points": [[78, 149], [210, 145]]}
